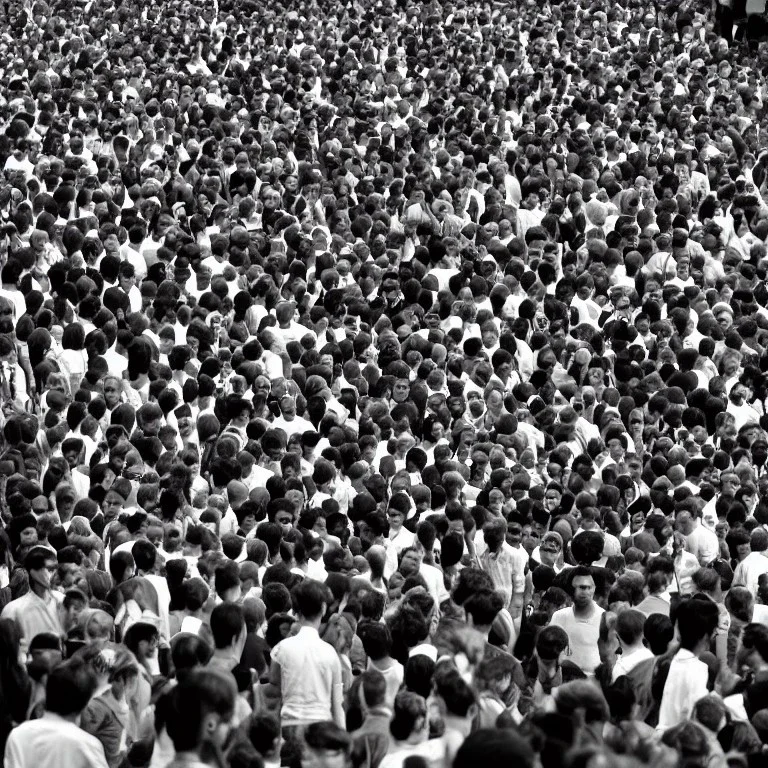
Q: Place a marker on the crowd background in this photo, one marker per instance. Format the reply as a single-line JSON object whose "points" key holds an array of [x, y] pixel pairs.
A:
{"points": [[383, 384]]}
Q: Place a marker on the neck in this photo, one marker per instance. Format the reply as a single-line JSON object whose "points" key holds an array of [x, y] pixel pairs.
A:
{"points": [[40, 590], [584, 610], [314, 623]]}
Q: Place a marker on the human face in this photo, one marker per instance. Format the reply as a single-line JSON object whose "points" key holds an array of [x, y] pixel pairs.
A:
{"points": [[112, 506], [42, 576], [411, 563], [396, 519], [400, 390], [729, 484], [583, 591], [28, 537], [111, 393]]}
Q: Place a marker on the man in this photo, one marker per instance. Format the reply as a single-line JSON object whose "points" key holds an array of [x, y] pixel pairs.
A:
{"points": [[38, 610], [749, 570], [56, 738], [581, 621], [688, 676], [370, 742], [229, 634], [377, 644], [505, 565], [306, 671], [629, 629], [699, 540], [399, 537]]}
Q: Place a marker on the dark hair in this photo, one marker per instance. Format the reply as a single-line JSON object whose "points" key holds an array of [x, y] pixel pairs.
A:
{"points": [[376, 639], [189, 651], [409, 707], [658, 632], [494, 748], [454, 690], [310, 598], [69, 688], [629, 626], [227, 576], [201, 693], [483, 607], [227, 623], [144, 554], [695, 619]]}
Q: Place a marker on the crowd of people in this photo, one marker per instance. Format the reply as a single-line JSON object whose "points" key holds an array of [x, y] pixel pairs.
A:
{"points": [[384, 384]]}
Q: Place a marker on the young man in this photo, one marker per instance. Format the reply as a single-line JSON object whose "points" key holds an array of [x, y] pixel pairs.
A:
{"points": [[38, 610], [56, 738], [688, 676], [629, 628], [582, 621], [200, 718], [306, 671]]}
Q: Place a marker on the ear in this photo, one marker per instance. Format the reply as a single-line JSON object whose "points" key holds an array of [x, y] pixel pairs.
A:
{"points": [[208, 726]]}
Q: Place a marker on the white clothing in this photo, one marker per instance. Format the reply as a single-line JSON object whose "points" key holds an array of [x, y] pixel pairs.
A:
{"points": [[52, 742], [686, 684]]}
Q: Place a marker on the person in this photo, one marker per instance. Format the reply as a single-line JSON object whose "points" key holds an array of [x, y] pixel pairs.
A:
{"points": [[370, 742], [305, 671], [38, 610], [56, 738], [108, 715], [630, 626], [581, 621], [377, 644], [326, 745], [200, 718], [688, 676], [15, 684], [295, 291], [748, 571], [409, 729]]}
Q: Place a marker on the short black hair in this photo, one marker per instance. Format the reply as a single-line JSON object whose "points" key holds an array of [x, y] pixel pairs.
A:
{"points": [[227, 622]]}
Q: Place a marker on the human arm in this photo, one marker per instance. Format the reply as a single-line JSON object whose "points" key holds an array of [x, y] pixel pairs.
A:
{"points": [[337, 694]]}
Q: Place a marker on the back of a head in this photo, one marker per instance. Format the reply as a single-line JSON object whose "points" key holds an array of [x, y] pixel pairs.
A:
{"points": [[494, 748], [227, 624], [696, 620], [200, 694], [327, 736], [311, 598], [629, 626], [376, 639], [456, 693], [69, 688], [189, 651], [374, 688]]}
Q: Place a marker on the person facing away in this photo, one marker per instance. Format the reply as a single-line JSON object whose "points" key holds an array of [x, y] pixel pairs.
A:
{"points": [[688, 676], [305, 670], [200, 718], [56, 739]]}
